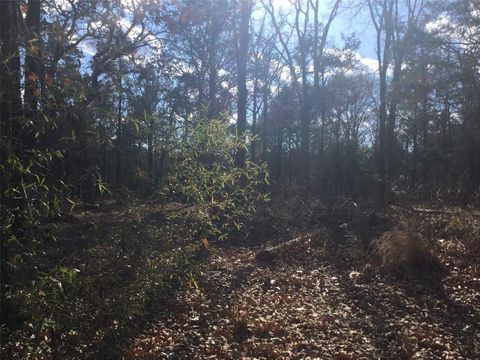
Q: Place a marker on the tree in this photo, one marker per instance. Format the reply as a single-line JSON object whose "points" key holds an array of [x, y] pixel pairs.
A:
{"points": [[242, 57], [10, 105]]}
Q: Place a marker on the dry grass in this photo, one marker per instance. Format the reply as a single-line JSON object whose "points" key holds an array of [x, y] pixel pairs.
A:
{"points": [[404, 250]]}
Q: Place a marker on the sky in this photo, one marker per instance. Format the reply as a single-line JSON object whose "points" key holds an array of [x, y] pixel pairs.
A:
{"points": [[347, 22]]}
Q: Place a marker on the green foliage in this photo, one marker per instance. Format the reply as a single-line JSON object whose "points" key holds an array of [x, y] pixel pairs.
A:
{"points": [[224, 195], [30, 199]]}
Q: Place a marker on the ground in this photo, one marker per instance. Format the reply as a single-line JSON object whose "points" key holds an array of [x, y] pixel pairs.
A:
{"points": [[138, 281], [315, 300]]}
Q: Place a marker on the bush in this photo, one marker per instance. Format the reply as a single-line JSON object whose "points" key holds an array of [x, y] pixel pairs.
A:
{"points": [[403, 250], [223, 195]]}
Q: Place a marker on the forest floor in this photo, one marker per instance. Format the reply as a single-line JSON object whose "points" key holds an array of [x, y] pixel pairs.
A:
{"points": [[316, 299], [136, 281]]}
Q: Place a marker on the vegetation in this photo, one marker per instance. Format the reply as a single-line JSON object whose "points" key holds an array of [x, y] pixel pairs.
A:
{"points": [[169, 165], [205, 176]]}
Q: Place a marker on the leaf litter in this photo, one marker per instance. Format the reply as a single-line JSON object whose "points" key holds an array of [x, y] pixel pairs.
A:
{"points": [[312, 302]]}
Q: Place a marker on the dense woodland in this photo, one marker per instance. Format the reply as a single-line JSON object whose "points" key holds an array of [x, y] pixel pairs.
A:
{"points": [[161, 159]]}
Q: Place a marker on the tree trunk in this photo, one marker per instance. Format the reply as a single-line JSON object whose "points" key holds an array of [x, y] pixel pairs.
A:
{"points": [[151, 169], [383, 25], [391, 120], [278, 151], [381, 156], [10, 111], [266, 94], [212, 66], [254, 115], [33, 56], [304, 121], [119, 142], [242, 57]]}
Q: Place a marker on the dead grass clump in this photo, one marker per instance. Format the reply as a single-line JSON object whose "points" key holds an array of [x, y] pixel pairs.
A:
{"points": [[403, 250]]}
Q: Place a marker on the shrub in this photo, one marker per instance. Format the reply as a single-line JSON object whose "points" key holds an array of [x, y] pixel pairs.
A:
{"points": [[404, 250], [223, 195]]}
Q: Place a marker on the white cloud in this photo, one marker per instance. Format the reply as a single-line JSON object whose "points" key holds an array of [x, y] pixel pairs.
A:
{"points": [[370, 64], [87, 49], [136, 31], [462, 34], [438, 24]]}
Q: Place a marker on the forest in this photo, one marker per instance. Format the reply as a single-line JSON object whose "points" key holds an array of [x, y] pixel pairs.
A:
{"points": [[240, 179]]}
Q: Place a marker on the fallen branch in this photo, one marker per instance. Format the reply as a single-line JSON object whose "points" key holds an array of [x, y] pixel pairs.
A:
{"points": [[268, 254], [424, 210]]}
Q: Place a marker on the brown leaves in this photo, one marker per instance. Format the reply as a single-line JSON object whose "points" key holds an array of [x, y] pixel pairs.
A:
{"points": [[32, 77], [308, 305], [34, 50]]}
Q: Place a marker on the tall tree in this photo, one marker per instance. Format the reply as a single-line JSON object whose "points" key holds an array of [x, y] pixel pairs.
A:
{"points": [[381, 13], [33, 62], [10, 113], [242, 58]]}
